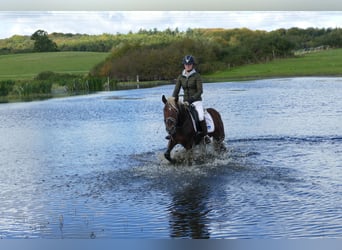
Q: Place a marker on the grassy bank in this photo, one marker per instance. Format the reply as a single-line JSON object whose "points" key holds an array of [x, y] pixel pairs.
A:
{"points": [[69, 69], [322, 63], [27, 66]]}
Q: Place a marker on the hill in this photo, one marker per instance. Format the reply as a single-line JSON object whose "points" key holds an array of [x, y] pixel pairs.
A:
{"points": [[142, 54], [28, 65], [320, 63]]}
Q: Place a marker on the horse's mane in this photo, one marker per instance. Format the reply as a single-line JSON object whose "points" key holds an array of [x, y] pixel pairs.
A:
{"points": [[180, 106], [172, 101]]}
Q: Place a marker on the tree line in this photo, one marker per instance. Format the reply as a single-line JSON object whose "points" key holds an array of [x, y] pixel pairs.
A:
{"points": [[214, 50], [301, 38]]}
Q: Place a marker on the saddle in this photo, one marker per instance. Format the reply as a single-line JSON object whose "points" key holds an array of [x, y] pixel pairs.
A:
{"points": [[195, 120]]}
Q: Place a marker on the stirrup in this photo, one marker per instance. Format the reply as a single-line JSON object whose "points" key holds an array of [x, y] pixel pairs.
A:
{"points": [[206, 139]]}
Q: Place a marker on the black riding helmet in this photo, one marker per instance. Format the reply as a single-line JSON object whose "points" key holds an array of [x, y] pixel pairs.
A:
{"points": [[188, 59]]}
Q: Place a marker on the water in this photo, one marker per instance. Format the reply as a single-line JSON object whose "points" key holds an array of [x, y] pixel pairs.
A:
{"points": [[93, 167]]}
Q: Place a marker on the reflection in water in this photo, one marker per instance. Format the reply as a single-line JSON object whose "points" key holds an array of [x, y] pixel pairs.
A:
{"points": [[188, 214]]}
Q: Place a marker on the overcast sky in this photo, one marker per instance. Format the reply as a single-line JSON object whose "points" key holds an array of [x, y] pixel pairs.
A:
{"points": [[99, 22]]}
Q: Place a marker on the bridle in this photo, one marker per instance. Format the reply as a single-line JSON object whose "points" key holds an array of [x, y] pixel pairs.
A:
{"points": [[171, 130]]}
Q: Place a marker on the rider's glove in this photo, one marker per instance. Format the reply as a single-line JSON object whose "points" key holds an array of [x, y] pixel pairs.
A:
{"points": [[191, 100]]}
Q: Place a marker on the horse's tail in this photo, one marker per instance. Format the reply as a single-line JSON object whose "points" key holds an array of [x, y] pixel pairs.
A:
{"points": [[218, 133]]}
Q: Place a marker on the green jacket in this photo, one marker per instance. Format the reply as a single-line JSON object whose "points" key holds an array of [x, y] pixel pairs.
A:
{"points": [[192, 86]]}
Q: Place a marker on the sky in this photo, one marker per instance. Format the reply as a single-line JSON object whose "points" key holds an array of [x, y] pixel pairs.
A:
{"points": [[113, 22]]}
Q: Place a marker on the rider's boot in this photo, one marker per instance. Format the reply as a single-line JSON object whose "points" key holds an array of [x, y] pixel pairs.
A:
{"points": [[204, 129]]}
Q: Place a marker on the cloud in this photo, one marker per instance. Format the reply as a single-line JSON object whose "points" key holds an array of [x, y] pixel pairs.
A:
{"points": [[99, 22]]}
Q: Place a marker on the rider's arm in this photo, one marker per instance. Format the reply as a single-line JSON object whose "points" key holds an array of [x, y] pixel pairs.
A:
{"points": [[177, 87], [199, 88]]}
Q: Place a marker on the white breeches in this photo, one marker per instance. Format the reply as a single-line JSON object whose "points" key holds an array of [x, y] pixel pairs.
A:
{"points": [[199, 107]]}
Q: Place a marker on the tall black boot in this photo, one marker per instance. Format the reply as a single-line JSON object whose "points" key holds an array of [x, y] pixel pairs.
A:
{"points": [[204, 129]]}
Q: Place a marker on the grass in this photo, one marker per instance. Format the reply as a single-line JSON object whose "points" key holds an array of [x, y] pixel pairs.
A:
{"points": [[322, 63], [27, 66]]}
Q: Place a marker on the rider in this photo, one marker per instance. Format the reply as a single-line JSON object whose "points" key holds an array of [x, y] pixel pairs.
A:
{"points": [[191, 83]]}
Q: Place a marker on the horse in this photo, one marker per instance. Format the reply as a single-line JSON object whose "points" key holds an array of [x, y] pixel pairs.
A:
{"points": [[180, 128]]}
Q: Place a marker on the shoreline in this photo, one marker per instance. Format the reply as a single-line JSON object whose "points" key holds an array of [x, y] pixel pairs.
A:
{"points": [[152, 84], [255, 78]]}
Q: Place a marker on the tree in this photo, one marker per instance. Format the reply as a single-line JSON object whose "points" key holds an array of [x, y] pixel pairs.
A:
{"points": [[42, 43]]}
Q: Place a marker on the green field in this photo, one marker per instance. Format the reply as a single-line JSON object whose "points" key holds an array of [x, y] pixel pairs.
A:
{"points": [[27, 66], [322, 63]]}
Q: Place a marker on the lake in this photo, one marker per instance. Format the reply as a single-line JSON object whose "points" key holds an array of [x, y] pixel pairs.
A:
{"points": [[92, 166]]}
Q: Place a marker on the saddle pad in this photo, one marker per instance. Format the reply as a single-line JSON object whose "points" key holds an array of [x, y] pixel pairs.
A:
{"points": [[209, 121]]}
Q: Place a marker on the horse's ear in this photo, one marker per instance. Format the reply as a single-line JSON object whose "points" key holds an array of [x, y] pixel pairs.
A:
{"points": [[176, 99], [164, 99]]}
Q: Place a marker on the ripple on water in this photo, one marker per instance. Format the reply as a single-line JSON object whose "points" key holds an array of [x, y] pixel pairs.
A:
{"points": [[98, 163]]}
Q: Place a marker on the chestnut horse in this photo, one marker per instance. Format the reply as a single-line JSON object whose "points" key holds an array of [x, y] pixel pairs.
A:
{"points": [[179, 126]]}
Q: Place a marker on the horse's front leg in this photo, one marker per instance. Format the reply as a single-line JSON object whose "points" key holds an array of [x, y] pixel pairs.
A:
{"points": [[170, 146]]}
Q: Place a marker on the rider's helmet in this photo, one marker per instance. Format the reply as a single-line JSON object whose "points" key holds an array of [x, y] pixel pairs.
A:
{"points": [[188, 59]]}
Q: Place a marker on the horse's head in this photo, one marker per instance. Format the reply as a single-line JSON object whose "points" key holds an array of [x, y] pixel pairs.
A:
{"points": [[171, 112]]}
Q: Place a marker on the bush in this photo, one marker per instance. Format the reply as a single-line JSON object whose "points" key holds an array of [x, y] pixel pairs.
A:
{"points": [[46, 75], [6, 87]]}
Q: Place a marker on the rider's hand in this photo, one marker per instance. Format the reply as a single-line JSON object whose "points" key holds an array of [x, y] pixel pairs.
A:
{"points": [[186, 103]]}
